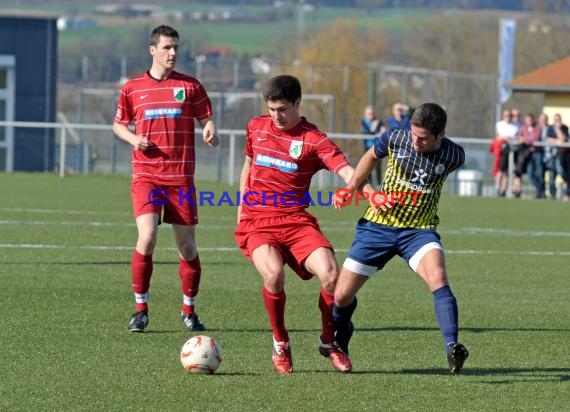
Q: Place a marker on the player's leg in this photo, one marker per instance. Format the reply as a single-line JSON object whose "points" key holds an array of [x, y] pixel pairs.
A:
{"points": [[371, 249], [141, 269], [268, 261], [190, 271], [322, 263], [429, 263], [345, 302]]}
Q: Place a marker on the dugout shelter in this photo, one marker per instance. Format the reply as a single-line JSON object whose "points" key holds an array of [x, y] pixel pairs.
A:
{"points": [[28, 84]]}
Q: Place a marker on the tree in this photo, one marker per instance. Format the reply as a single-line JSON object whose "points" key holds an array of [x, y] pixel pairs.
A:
{"points": [[334, 60]]}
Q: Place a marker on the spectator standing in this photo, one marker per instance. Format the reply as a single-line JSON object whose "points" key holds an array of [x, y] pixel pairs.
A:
{"points": [[371, 126], [529, 155], [505, 131], [399, 119], [559, 128], [564, 158], [548, 135]]}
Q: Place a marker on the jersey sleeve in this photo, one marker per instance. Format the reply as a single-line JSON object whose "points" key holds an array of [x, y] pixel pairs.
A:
{"points": [[332, 158], [458, 157], [381, 145], [248, 150], [124, 114], [202, 104]]}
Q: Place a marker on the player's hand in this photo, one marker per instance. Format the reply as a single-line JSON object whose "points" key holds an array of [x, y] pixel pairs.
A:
{"points": [[212, 141], [209, 134], [341, 198], [381, 202], [141, 143]]}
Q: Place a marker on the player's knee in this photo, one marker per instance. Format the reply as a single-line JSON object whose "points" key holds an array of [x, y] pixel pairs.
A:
{"points": [[437, 278], [273, 280], [146, 244], [342, 299], [188, 251], [328, 280]]}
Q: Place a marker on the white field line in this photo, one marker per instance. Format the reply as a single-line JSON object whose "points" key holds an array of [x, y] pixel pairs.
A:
{"points": [[327, 226], [235, 249]]}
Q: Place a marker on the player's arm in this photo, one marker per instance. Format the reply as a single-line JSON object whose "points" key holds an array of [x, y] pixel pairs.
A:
{"points": [[246, 168], [138, 142], [209, 131], [353, 183], [363, 169]]}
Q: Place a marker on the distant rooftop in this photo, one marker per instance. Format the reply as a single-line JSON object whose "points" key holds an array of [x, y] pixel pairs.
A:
{"points": [[554, 77]]}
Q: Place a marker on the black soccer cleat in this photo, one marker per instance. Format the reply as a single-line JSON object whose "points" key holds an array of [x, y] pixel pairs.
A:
{"points": [[456, 356], [343, 337], [139, 321], [193, 322]]}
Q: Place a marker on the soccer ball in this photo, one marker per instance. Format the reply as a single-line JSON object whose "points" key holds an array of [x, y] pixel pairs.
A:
{"points": [[201, 354]]}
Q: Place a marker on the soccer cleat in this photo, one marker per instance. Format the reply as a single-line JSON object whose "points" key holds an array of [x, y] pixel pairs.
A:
{"points": [[456, 356], [343, 337], [339, 360], [282, 361], [192, 322], [139, 321]]}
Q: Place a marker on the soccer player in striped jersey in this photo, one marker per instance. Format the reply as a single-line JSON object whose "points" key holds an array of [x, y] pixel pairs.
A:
{"points": [[283, 151], [163, 105], [403, 221]]}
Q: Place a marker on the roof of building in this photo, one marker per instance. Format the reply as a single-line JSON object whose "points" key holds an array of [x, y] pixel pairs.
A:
{"points": [[554, 77]]}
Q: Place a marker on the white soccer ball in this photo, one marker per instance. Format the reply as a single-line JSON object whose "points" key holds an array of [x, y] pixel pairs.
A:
{"points": [[201, 354]]}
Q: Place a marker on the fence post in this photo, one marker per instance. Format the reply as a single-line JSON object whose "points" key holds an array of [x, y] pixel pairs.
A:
{"points": [[62, 147], [232, 159], [511, 170]]}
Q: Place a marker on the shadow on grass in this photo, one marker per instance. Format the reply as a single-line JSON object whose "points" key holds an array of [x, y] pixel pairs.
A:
{"points": [[172, 262], [461, 329], [528, 374], [499, 376], [380, 329]]}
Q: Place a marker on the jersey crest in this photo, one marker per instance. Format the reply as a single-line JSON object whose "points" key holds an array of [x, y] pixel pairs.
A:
{"points": [[296, 149], [179, 94]]}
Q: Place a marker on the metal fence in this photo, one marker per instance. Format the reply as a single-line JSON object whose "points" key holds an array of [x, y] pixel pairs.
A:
{"points": [[93, 148]]}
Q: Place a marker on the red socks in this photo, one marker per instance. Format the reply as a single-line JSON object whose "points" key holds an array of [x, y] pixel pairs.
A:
{"points": [[275, 306], [141, 272], [326, 302], [190, 272]]}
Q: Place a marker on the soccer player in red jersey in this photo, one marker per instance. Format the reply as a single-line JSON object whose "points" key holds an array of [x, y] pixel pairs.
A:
{"points": [[282, 153], [163, 104]]}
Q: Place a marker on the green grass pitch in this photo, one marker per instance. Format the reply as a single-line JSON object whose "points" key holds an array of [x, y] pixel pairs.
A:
{"points": [[65, 301]]}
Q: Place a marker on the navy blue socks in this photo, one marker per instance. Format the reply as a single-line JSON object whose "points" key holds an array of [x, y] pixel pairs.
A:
{"points": [[446, 313]]}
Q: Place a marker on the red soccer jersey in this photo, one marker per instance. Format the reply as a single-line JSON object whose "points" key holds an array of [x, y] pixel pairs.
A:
{"points": [[283, 163], [164, 112]]}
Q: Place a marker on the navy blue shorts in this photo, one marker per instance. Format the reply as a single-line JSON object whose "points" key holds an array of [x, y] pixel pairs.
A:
{"points": [[374, 245]]}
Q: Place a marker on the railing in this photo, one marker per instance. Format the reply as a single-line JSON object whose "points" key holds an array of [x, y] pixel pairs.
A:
{"points": [[93, 148]]}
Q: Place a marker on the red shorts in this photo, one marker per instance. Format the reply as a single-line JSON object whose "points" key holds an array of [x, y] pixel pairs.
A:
{"points": [[172, 202], [295, 236]]}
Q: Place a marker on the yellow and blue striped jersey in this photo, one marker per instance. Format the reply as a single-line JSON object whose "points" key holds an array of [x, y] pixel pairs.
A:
{"points": [[413, 179]]}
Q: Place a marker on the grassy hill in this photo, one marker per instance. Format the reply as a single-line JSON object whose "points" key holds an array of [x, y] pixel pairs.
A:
{"points": [[261, 29]]}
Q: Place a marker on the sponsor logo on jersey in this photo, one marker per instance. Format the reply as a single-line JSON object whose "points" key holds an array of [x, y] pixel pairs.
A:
{"points": [[419, 175], [417, 181], [163, 112], [269, 161]]}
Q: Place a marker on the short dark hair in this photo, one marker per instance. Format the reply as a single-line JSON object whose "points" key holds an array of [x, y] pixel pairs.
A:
{"points": [[165, 31], [430, 116], [282, 87]]}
